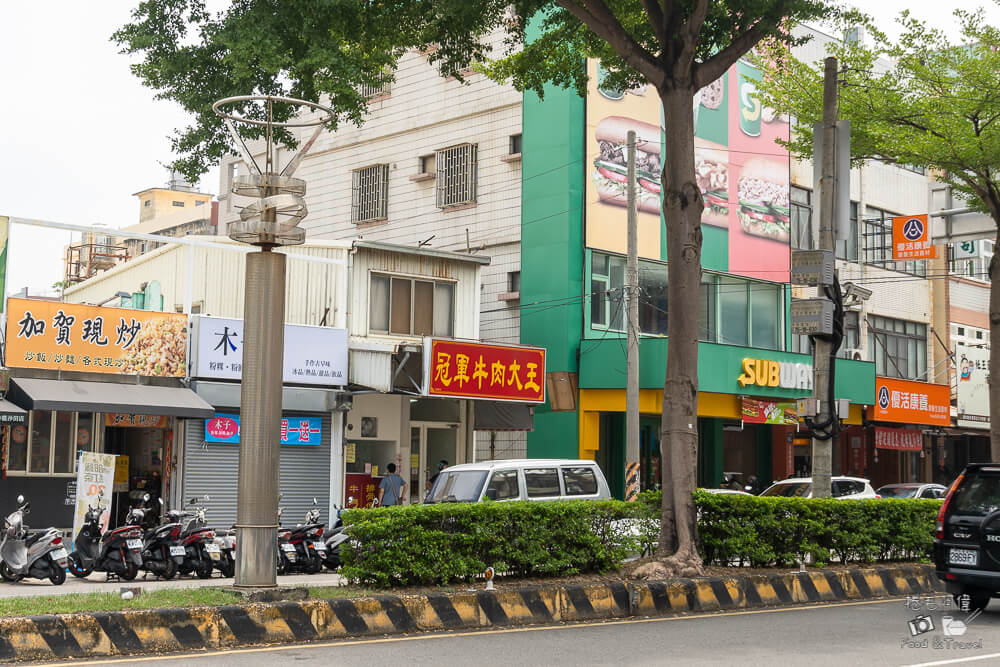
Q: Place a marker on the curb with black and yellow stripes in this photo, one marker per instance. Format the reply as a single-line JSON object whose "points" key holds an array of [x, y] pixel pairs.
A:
{"points": [[152, 631]]}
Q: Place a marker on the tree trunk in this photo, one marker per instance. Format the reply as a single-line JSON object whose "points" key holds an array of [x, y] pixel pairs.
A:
{"points": [[682, 207], [994, 383]]}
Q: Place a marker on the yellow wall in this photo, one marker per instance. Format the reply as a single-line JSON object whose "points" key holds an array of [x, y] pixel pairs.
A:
{"points": [[161, 201], [595, 401]]}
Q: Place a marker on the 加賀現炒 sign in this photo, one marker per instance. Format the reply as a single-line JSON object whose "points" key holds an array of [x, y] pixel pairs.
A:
{"points": [[461, 369], [312, 355], [294, 430]]}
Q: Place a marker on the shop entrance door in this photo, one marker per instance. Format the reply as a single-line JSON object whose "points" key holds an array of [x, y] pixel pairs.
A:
{"points": [[430, 443]]}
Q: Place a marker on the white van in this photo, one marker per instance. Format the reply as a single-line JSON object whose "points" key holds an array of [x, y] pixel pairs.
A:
{"points": [[520, 479]]}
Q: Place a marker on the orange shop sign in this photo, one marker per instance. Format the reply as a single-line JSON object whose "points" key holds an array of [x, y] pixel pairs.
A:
{"points": [[461, 369], [909, 402], [74, 337], [911, 238]]}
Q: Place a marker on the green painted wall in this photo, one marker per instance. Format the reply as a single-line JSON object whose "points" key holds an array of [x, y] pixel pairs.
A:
{"points": [[602, 366], [552, 249]]}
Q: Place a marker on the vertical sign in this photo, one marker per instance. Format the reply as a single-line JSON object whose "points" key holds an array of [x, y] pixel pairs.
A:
{"points": [[973, 366], [95, 478], [911, 238], [4, 233]]}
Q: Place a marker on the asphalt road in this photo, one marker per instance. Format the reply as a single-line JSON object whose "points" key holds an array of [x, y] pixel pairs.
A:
{"points": [[866, 633], [97, 582]]}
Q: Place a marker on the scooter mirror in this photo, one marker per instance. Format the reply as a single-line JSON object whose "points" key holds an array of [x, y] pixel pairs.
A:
{"points": [[206, 498], [145, 497], [161, 501], [20, 500], [315, 502]]}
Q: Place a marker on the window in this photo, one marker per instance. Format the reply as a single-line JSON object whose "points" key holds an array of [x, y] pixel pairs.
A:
{"points": [[199, 203], [708, 315], [801, 344], [378, 89], [411, 306], [979, 335], [178, 204], [846, 487], [608, 306], [976, 266], [456, 175], [426, 164], [914, 168], [961, 331], [801, 218], [848, 249], [515, 144], [579, 481], [542, 482], [852, 335], [48, 443], [514, 281], [504, 483], [147, 203], [898, 347], [370, 193], [733, 311], [878, 244]]}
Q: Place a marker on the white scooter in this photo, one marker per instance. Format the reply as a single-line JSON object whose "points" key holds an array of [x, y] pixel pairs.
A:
{"points": [[40, 556]]}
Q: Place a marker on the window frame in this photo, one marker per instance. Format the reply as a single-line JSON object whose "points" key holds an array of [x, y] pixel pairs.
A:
{"points": [[805, 208], [74, 434], [882, 349], [370, 193], [559, 482], [877, 249], [457, 171], [435, 282]]}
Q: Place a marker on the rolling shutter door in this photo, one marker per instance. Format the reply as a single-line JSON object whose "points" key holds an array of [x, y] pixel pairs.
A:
{"points": [[213, 468]]}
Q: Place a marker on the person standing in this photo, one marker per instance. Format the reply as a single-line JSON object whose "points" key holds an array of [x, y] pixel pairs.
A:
{"points": [[390, 489]]}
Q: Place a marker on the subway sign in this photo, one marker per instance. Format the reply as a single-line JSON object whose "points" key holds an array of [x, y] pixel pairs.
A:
{"points": [[769, 373]]}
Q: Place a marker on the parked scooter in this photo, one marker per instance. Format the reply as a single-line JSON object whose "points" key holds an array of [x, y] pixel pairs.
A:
{"points": [[287, 553], [310, 550], [162, 553], [40, 556], [117, 552], [335, 538], [200, 550]]}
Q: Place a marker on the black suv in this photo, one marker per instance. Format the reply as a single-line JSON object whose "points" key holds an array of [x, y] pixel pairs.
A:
{"points": [[967, 537]]}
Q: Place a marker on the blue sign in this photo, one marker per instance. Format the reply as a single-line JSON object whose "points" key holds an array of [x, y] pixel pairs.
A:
{"points": [[294, 430]]}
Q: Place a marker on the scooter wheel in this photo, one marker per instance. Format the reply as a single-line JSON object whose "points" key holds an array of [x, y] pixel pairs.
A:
{"points": [[6, 572], [204, 571], [130, 572], [282, 566], [228, 569], [57, 575], [170, 571], [77, 569]]}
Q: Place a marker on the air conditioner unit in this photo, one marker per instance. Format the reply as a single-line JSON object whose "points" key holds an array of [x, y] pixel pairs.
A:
{"points": [[852, 353]]}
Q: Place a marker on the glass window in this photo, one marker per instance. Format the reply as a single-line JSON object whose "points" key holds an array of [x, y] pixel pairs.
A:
{"points": [[790, 490], [379, 304], [444, 307], [878, 244], [852, 336], [423, 307], [766, 315], [616, 293], [801, 217], [898, 347], [579, 481], [978, 495], [84, 434], [846, 487], [459, 486], [848, 249], [399, 310], [64, 445], [653, 298], [733, 311], [41, 441], [504, 483], [542, 482], [707, 309], [17, 451]]}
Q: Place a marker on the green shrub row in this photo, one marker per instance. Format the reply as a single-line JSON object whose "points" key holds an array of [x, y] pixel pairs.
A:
{"points": [[777, 532], [443, 543]]}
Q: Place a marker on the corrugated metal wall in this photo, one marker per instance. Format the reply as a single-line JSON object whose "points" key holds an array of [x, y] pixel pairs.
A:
{"points": [[213, 468]]}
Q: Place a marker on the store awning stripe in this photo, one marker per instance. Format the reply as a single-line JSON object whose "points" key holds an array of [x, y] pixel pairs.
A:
{"points": [[72, 396]]}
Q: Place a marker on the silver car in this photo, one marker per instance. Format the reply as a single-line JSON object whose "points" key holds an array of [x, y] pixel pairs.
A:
{"points": [[847, 488], [913, 490]]}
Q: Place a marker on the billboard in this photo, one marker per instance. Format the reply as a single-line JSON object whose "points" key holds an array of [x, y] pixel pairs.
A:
{"points": [[743, 174], [92, 339], [973, 368], [461, 369], [911, 402], [294, 430]]}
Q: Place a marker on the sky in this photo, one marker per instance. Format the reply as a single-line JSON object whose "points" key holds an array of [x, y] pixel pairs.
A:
{"points": [[79, 134]]}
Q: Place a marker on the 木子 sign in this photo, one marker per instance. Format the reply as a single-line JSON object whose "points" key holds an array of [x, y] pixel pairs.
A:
{"points": [[461, 369], [294, 430], [312, 355], [911, 238], [909, 402], [92, 339]]}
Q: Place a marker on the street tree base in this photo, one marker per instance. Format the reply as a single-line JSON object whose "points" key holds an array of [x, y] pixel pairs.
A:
{"points": [[684, 563]]}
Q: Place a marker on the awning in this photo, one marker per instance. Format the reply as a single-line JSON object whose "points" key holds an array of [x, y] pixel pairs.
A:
{"points": [[36, 394], [503, 416], [11, 414]]}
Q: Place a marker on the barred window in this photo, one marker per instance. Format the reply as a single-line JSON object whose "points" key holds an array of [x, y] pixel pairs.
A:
{"points": [[370, 193], [456, 175], [368, 91]]}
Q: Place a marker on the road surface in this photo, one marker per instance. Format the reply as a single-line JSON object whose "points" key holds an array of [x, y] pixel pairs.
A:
{"points": [[860, 633]]}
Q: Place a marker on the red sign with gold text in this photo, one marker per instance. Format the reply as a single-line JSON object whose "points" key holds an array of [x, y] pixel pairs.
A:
{"points": [[479, 370]]}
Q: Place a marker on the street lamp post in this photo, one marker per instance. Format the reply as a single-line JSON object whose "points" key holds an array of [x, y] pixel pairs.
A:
{"points": [[269, 221]]}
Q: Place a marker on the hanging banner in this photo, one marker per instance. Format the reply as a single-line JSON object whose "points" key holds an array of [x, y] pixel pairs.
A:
{"points": [[900, 439], [973, 368], [121, 474], [461, 369], [911, 238], [74, 337], [754, 411], [124, 420], [294, 430], [95, 477], [910, 402]]}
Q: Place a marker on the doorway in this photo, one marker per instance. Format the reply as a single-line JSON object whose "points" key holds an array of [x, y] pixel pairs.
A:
{"points": [[139, 467], [431, 443]]}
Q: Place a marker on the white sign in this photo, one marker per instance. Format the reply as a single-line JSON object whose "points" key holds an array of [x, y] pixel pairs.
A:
{"points": [[312, 355], [972, 365], [95, 479], [966, 250]]}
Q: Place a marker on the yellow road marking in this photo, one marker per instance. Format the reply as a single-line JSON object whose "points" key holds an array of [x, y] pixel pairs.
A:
{"points": [[447, 635]]}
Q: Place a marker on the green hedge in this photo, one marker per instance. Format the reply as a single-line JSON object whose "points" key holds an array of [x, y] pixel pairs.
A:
{"points": [[763, 532], [436, 544]]}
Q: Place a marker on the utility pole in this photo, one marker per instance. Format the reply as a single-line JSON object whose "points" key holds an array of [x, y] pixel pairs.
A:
{"points": [[822, 449], [632, 290]]}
